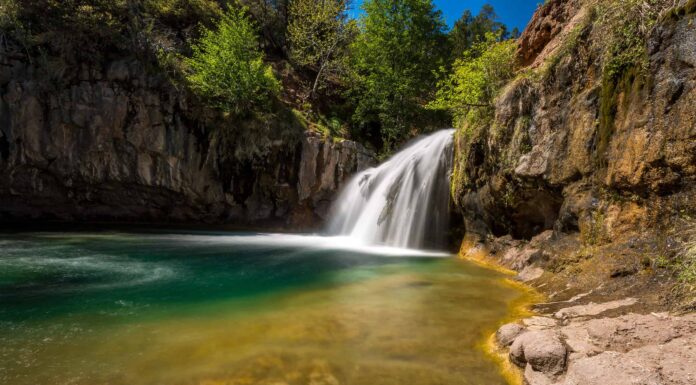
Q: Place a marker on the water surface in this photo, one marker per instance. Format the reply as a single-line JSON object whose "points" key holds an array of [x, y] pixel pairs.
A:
{"points": [[221, 308]]}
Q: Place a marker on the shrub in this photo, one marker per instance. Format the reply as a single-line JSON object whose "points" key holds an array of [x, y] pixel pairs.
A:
{"points": [[469, 93], [626, 24], [476, 79], [181, 11], [271, 17], [227, 67], [319, 33]]}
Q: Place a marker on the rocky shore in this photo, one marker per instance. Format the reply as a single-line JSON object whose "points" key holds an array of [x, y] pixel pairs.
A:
{"points": [[602, 325], [579, 346]]}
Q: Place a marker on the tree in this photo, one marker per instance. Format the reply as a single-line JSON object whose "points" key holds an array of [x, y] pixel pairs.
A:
{"points": [[227, 66], [469, 29], [394, 59], [271, 17], [8, 14], [319, 33], [477, 78], [515, 34]]}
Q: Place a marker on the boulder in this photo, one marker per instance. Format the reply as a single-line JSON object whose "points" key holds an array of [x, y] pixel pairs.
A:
{"points": [[532, 377], [507, 333], [519, 258], [543, 350]]}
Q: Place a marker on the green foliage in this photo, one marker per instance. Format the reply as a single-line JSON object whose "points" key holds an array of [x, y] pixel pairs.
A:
{"points": [[319, 33], [271, 16], [227, 67], [330, 127], [469, 93], [181, 11], [626, 25], [9, 10], [476, 79], [470, 30], [74, 31], [394, 60]]}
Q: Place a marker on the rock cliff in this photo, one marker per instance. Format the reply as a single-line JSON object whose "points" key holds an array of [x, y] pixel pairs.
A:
{"points": [[111, 141], [603, 161], [585, 184]]}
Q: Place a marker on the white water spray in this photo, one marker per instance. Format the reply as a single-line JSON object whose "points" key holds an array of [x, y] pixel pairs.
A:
{"points": [[404, 202]]}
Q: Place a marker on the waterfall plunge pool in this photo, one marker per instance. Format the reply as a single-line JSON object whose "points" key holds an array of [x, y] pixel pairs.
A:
{"points": [[217, 308], [169, 308]]}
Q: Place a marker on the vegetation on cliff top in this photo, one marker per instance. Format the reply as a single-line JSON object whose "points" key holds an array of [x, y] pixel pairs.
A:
{"points": [[622, 54], [469, 93], [319, 34], [369, 79], [470, 30], [476, 79], [227, 66], [394, 59]]}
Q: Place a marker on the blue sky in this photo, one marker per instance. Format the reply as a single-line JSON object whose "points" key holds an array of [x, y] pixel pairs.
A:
{"points": [[514, 13]]}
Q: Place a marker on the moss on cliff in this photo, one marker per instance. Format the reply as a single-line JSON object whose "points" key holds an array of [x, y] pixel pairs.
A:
{"points": [[613, 89], [594, 111], [678, 12], [469, 137]]}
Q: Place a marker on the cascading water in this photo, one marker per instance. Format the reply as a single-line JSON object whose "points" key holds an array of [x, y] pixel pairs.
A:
{"points": [[404, 202]]}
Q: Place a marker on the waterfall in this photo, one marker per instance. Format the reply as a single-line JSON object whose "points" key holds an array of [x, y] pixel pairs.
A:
{"points": [[404, 202]]}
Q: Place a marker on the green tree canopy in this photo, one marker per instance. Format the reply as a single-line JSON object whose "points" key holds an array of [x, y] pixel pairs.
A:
{"points": [[394, 60], [470, 29], [271, 17], [477, 78], [227, 67], [319, 33]]}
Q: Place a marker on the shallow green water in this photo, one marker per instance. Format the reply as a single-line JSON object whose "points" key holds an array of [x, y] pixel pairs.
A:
{"points": [[220, 308]]}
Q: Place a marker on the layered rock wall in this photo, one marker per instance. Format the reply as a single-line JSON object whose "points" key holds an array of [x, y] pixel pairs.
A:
{"points": [[553, 158], [114, 142]]}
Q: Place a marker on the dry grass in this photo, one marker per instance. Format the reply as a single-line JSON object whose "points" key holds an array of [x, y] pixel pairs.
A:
{"points": [[686, 269]]}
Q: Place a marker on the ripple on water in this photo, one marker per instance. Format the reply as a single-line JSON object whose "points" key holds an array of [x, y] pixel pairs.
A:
{"points": [[66, 268]]}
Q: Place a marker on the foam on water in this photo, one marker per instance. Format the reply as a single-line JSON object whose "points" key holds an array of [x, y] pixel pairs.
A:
{"points": [[70, 263], [270, 240], [311, 242]]}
